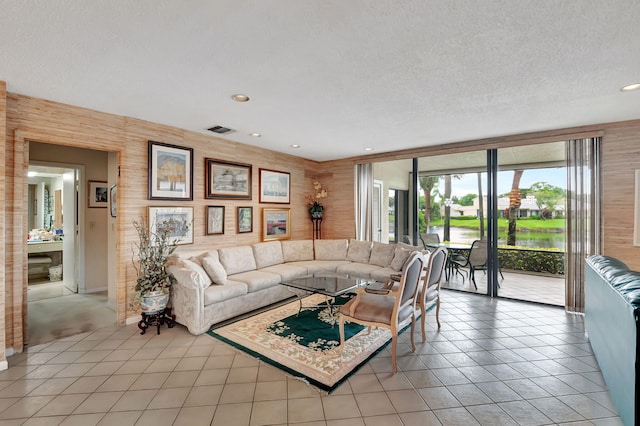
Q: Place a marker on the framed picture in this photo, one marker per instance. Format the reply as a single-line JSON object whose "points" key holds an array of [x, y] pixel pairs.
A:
{"points": [[170, 172], [274, 186], [215, 220], [276, 224], [98, 194], [113, 200], [245, 219], [226, 180], [179, 219]]}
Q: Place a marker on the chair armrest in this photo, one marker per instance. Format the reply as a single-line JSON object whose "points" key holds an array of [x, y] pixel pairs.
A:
{"points": [[381, 291]]}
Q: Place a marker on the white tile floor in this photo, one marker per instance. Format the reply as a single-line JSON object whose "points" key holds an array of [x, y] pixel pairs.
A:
{"points": [[494, 362]]}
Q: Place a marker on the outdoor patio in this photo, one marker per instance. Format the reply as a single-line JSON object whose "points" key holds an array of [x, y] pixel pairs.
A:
{"points": [[541, 288]]}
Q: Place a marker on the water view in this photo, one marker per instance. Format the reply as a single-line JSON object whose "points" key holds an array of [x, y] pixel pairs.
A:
{"points": [[533, 239]]}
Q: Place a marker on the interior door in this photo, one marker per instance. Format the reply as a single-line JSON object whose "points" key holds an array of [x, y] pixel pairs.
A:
{"points": [[377, 210]]}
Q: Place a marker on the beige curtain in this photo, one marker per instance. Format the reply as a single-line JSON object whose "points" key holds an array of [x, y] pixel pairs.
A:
{"points": [[364, 201], [583, 215]]}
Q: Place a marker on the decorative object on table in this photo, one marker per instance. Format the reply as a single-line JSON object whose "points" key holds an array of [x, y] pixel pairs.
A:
{"points": [[170, 172], [226, 180], [113, 200], [304, 345], [215, 220], [156, 242], [276, 224], [98, 194], [275, 186], [313, 199], [245, 219]]}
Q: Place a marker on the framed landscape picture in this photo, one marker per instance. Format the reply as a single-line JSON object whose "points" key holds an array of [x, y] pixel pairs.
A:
{"points": [[178, 219], [215, 220], [170, 172], [227, 180], [245, 219], [274, 186], [98, 194], [276, 224]]}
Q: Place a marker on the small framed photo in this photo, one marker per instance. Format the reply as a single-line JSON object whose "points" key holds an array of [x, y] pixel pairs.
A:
{"points": [[276, 224], [170, 172], [98, 194], [245, 219], [113, 200], [274, 186], [215, 220], [178, 219], [226, 180]]}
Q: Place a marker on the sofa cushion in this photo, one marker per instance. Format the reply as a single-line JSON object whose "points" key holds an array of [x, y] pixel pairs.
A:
{"points": [[267, 254], [220, 293], [399, 258], [382, 254], [297, 250], [320, 266], [382, 274], [213, 267], [363, 270], [195, 267], [256, 280], [330, 249], [287, 271], [359, 251], [187, 277], [237, 259]]}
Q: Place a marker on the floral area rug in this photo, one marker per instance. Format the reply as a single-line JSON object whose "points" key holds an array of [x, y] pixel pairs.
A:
{"points": [[305, 345]]}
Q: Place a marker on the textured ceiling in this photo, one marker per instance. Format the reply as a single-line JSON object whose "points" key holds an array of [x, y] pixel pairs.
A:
{"points": [[333, 76]]}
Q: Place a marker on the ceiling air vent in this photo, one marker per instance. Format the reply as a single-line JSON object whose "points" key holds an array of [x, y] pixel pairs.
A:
{"points": [[220, 130]]}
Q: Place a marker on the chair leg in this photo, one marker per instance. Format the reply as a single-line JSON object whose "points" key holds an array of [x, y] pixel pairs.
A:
{"points": [[341, 328], [473, 276], [423, 313], [413, 330], [437, 314], [394, 344]]}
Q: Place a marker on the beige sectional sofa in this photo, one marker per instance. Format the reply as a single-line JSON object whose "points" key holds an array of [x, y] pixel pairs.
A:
{"points": [[213, 286]]}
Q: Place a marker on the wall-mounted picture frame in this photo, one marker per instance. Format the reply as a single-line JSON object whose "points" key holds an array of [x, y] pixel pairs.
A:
{"points": [[170, 172], [275, 186], [276, 224], [113, 200], [227, 180], [179, 219], [98, 194], [245, 219], [215, 220]]}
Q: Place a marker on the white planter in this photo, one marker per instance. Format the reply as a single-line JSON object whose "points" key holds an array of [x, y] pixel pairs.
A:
{"points": [[154, 301]]}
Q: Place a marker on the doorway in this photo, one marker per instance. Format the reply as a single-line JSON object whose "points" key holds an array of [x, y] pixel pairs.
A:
{"points": [[60, 217]]}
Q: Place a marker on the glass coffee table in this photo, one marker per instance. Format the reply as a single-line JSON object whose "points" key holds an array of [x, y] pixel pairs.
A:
{"points": [[329, 284]]}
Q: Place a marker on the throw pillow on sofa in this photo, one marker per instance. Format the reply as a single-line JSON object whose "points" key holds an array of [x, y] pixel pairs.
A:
{"points": [[400, 257], [214, 268], [193, 266], [382, 254]]}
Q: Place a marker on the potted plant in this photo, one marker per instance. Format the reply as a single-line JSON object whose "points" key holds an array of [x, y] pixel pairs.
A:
{"points": [[153, 249], [313, 200]]}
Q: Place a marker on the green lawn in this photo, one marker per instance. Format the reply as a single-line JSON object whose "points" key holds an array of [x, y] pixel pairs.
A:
{"points": [[548, 225]]}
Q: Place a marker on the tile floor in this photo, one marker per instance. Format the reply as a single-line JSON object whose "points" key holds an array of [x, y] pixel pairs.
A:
{"points": [[494, 362]]}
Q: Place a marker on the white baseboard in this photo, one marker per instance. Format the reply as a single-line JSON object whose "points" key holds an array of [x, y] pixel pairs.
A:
{"points": [[9, 352], [4, 365], [95, 290], [133, 320]]}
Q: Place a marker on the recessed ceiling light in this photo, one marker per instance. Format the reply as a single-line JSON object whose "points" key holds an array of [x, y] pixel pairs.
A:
{"points": [[240, 98], [368, 148], [295, 145], [255, 135], [631, 87]]}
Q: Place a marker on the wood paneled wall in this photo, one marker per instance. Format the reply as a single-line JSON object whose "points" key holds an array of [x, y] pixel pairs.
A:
{"points": [[3, 209]]}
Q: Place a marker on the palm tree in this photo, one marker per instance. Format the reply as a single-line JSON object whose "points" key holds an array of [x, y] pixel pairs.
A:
{"points": [[427, 183], [514, 205]]}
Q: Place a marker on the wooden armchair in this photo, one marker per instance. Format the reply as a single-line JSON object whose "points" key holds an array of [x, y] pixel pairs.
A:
{"points": [[390, 307]]}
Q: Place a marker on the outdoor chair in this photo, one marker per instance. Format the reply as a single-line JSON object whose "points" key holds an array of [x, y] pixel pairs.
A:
{"points": [[430, 289], [476, 259], [392, 306], [430, 240]]}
